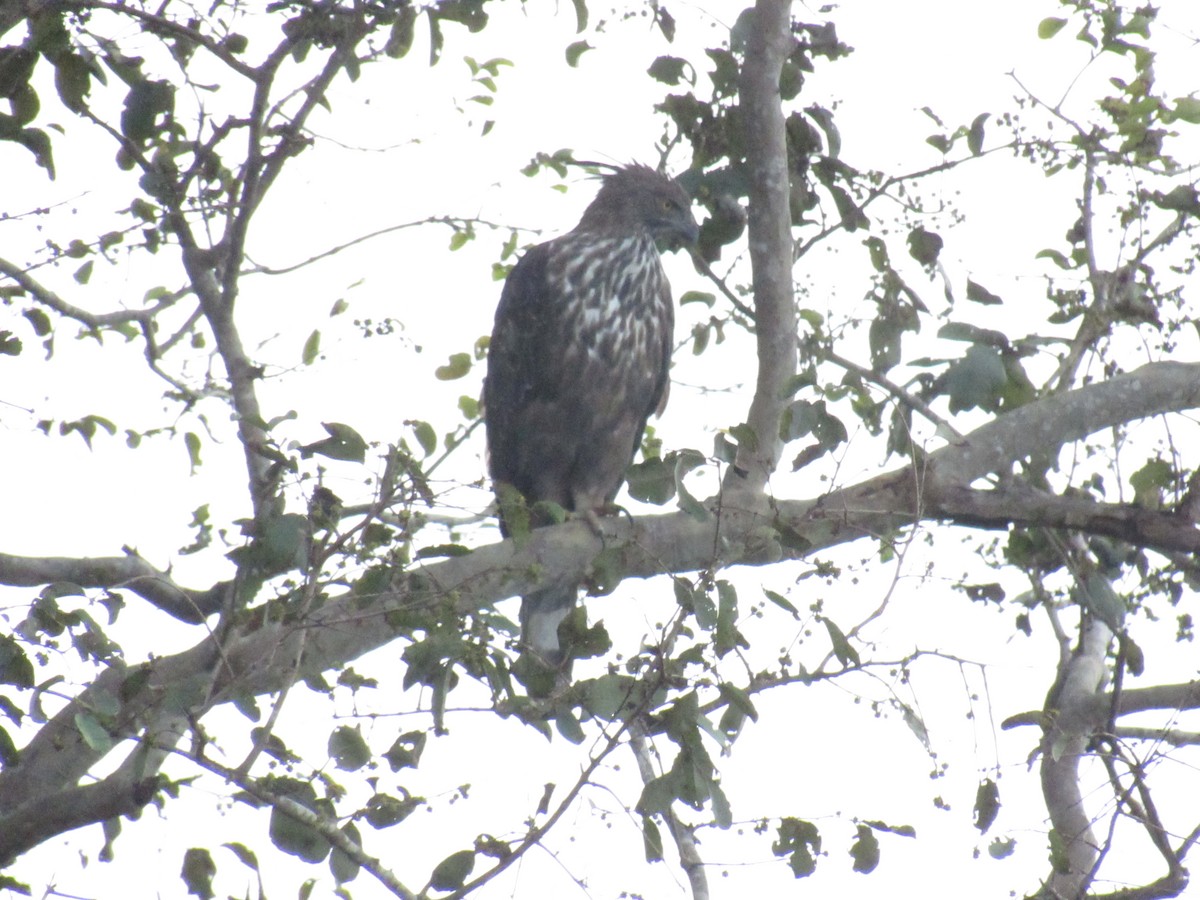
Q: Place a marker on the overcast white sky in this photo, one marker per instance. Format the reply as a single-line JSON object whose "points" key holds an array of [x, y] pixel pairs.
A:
{"points": [[816, 753]]}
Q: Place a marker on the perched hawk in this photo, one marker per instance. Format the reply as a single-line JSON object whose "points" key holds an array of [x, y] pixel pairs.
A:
{"points": [[578, 361]]}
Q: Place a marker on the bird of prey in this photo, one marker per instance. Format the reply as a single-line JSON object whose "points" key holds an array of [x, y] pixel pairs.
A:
{"points": [[578, 361]]}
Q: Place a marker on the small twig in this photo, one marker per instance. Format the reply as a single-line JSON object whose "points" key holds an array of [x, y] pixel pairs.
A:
{"points": [[683, 835], [327, 828], [909, 400]]}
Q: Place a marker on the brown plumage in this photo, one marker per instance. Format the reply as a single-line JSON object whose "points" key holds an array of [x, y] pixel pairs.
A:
{"points": [[578, 361]]}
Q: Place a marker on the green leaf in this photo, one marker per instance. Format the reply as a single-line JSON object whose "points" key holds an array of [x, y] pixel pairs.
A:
{"points": [[84, 272], [1187, 109], [924, 246], [145, 102], [400, 38], [86, 427], [244, 854], [348, 749], [652, 844], [36, 142], [671, 70], [800, 842], [575, 51], [191, 440], [607, 696], [198, 871], [865, 850], [853, 218], [343, 443], [284, 543], [312, 347], [727, 636], [782, 602], [739, 700], [1151, 481], [685, 461], [384, 810], [342, 866], [15, 667], [1001, 848], [976, 380], [652, 481], [1049, 27], [38, 320], [452, 872], [293, 836], [93, 733], [406, 751], [581, 15], [458, 366], [845, 653], [568, 726], [975, 134], [1055, 257], [977, 293], [902, 830], [425, 435], [440, 551]]}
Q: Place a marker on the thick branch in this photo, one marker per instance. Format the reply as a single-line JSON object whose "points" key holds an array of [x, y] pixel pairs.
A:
{"points": [[262, 659], [769, 232], [1071, 722], [131, 573]]}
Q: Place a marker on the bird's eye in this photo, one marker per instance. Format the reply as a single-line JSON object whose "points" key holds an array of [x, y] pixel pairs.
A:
{"points": [[668, 204]]}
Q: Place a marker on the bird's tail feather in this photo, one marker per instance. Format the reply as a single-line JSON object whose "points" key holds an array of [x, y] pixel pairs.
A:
{"points": [[541, 614]]}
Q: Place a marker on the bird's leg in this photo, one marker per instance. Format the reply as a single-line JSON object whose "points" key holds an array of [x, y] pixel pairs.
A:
{"points": [[592, 517]]}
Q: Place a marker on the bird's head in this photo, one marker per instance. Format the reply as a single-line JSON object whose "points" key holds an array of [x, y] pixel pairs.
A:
{"points": [[636, 196]]}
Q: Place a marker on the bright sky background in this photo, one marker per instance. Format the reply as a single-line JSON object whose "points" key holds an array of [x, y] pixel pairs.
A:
{"points": [[404, 152]]}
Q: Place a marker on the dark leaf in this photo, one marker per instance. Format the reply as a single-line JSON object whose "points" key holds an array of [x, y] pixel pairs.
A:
{"points": [[342, 866], [845, 653], [145, 102], [400, 38], [987, 805], [924, 246], [1001, 848], [452, 872], [975, 134], [652, 844], [348, 749], [293, 836], [1049, 27], [384, 810], [865, 850], [312, 347], [15, 667], [458, 366], [671, 70], [976, 380], [198, 871], [576, 50], [800, 842], [343, 443], [977, 293]]}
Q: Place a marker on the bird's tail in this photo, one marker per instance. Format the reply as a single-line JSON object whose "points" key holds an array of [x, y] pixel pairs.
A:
{"points": [[541, 614]]}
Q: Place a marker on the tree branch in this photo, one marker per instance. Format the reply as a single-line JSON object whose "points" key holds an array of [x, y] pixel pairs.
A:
{"points": [[129, 572], [46, 297], [770, 244]]}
